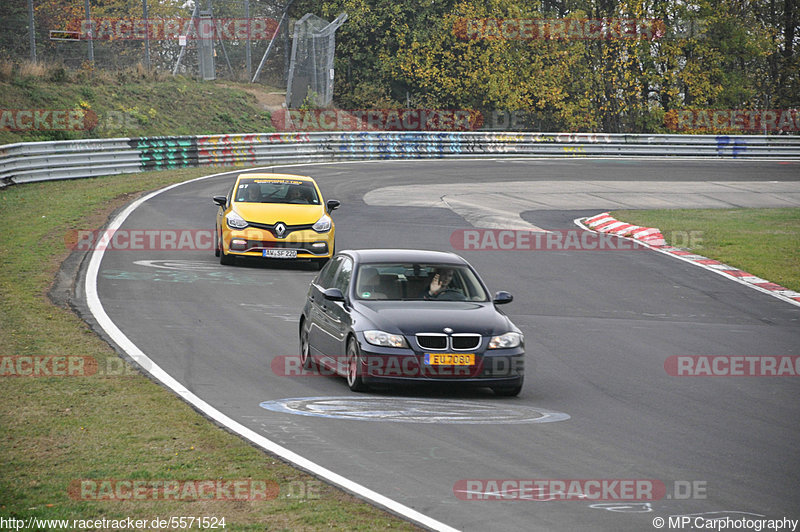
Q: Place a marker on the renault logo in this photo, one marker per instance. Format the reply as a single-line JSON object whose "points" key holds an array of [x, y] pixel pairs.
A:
{"points": [[280, 229]]}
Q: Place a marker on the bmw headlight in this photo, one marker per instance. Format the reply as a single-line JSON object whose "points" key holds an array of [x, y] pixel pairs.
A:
{"points": [[505, 341], [235, 221], [323, 225], [384, 339]]}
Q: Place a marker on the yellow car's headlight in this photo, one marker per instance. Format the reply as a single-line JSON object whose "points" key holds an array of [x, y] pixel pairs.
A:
{"points": [[323, 225], [235, 221]]}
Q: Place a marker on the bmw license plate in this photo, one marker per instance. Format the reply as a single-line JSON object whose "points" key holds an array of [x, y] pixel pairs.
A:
{"points": [[449, 359], [280, 253]]}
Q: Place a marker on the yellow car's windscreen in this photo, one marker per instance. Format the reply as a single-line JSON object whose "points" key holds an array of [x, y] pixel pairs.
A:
{"points": [[278, 190]]}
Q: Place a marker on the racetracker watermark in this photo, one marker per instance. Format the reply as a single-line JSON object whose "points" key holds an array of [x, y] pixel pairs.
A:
{"points": [[159, 29], [118, 120], [769, 120], [732, 366], [546, 490], [64, 366], [48, 119], [141, 239], [559, 29], [377, 120], [522, 240], [440, 365], [173, 490]]}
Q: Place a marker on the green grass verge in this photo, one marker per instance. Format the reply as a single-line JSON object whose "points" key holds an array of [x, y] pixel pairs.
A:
{"points": [[764, 242], [57, 430], [129, 105]]}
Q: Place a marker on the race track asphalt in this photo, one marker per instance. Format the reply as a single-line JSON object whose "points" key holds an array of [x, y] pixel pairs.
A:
{"points": [[599, 326]]}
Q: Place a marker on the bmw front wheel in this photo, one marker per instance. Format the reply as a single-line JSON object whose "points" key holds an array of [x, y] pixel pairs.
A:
{"points": [[354, 368], [305, 350]]}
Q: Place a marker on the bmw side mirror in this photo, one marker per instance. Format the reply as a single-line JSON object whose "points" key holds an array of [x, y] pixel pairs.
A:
{"points": [[333, 294], [501, 298], [221, 201], [333, 204]]}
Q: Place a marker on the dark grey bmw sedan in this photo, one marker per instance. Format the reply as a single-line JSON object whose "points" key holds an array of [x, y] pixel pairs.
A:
{"points": [[390, 316]]}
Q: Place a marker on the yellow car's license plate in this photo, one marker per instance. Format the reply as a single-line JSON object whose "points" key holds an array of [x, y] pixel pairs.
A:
{"points": [[280, 253], [449, 359]]}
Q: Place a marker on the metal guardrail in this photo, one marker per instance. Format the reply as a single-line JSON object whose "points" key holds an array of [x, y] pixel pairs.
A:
{"points": [[43, 161]]}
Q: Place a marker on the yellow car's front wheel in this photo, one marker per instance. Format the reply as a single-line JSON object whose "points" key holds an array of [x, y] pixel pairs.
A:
{"points": [[224, 258]]}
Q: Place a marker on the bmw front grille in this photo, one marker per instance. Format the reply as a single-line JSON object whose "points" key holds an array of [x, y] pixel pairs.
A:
{"points": [[455, 342]]}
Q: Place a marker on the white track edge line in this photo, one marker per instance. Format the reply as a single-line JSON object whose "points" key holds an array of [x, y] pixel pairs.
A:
{"points": [[104, 321]]}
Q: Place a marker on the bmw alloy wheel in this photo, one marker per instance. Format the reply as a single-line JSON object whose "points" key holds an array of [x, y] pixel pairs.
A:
{"points": [[354, 379]]}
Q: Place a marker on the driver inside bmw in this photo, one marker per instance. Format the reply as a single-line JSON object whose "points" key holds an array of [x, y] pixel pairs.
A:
{"points": [[440, 288]]}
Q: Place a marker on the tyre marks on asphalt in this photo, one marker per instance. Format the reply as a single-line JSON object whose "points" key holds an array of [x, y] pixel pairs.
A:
{"points": [[497, 205]]}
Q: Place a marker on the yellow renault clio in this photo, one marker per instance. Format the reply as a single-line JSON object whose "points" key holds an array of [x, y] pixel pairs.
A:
{"points": [[276, 216]]}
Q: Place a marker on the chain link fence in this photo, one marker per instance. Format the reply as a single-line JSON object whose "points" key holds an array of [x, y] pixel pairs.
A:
{"points": [[311, 71], [160, 36]]}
